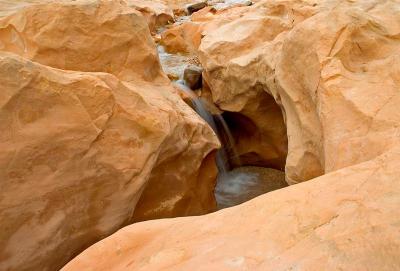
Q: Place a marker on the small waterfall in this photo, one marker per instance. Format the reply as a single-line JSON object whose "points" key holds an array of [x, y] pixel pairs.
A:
{"points": [[227, 140], [234, 185], [217, 123]]}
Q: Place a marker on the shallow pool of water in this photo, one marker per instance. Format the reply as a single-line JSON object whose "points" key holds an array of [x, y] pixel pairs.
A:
{"points": [[245, 183]]}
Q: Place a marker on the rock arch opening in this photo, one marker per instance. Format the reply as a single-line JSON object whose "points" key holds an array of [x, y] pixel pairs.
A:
{"points": [[257, 159], [254, 142]]}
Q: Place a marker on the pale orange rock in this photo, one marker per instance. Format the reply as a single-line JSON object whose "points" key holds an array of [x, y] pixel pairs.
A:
{"points": [[345, 220], [157, 13], [77, 152], [333, 68], [259, 130], [93, 36], [178, 3], [183, 38], [325, 65], [84, 153]]}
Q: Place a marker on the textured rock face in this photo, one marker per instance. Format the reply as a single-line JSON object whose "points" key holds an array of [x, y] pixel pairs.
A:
{"points": [[323, 82], [259, 131], [183, 38], [78, 149], [93, 36], [344, 220], [83, 153], [232, 3], [333, 68], [258, 126], [157, 13]]}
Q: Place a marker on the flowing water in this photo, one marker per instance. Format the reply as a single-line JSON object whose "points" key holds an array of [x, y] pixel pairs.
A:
{"points": [[200, 108], [234, 186], [244, 183]]}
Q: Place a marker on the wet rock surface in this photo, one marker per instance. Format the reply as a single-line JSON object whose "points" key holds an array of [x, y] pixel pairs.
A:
{"points": [[192, 76]]}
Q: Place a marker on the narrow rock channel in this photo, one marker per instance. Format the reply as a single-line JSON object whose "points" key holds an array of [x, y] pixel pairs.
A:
{"points": [[235, 183], [149, 135]]}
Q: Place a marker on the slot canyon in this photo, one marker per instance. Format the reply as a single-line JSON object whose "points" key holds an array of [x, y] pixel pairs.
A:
{"points": [[199, 135]]}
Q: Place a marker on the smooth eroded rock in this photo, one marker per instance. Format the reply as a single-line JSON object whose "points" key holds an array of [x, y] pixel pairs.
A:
{"points": [[92, 36], [81, 151], [232, 3], [77, 152], [182, 38], [156, 12], [333, 69], [344, 220], [323, 76]]}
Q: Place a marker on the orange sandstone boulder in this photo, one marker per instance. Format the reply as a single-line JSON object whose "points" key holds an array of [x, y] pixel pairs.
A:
{"points": [[79, 150], [345, 220], [177, 3], [156, 12], [83, 153], [182, 38], [92, 36], [185, 37], [331, 68]]}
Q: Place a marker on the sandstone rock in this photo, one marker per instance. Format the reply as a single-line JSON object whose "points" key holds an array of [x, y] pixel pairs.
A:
{"points": [[333, 68], [317, 82], [179, 12], [206, 14], [82, 153], [192, 76], [183, 38], [157, 13], [177, 3], [93, 36], [173, 64], [259, 132], [78, 150], [191, 8], [344, 220], [232, 3], [8, 7]]}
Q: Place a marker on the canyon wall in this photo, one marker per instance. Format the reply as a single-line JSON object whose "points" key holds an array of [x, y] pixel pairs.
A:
{"points": [[344, 220], [333, 69], [91, 129]]}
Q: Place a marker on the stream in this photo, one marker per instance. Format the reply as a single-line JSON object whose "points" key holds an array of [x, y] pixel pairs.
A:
{"points": [[234, 186]]}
